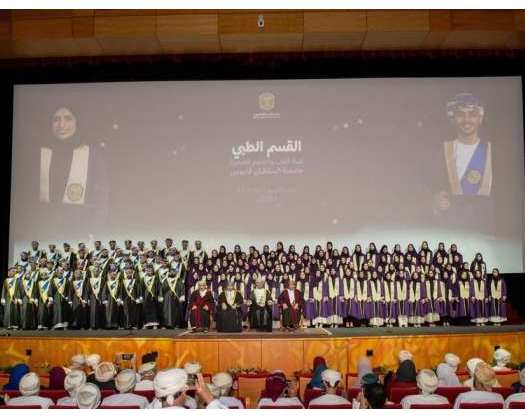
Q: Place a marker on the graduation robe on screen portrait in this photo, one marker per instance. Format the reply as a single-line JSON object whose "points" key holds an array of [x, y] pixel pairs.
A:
{"points": [[229, 320], [199, 317]]}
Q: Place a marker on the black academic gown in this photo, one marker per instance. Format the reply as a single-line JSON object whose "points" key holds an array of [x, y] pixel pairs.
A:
{"points": [[78, 295], [261, 315], [97, 316], [111, 297], [150, 305], [29, 292], [131, 308], [43, 315], [11, 294], [171, 289], [59, 291], [229, 319]]}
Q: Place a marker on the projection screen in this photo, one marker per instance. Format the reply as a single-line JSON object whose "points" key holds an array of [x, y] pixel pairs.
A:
{"points": [[256, 161]]}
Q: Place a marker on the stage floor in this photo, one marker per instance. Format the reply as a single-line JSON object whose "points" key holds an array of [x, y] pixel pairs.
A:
{"points": [[298, 334]]}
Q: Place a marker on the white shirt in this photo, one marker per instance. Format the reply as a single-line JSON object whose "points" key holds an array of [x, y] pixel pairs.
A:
{"points": [[66, 401], [408, 401], [477, 396], [144, 385], [517, 397], [281, 401], [126, 399], [229, 401], [329, 399], [291, 295], [30, 400], [463, 153], [215, 404]]}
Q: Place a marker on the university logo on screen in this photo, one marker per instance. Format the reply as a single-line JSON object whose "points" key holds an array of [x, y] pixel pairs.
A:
{"points": [[266, 107]]}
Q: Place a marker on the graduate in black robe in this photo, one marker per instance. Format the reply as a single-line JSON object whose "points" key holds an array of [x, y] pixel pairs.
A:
{"points": [[172, 296], [260, 307], [78, 295], [111, 298], [96, 281], [150, 307], [200, 308], [29, 294], [132, 295], [59, 297], [229, 313], [43, 316], [11, 299]]}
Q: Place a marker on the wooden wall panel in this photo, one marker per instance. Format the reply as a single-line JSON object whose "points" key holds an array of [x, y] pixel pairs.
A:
{"points": [[234, 353], [333, 31], [205, 351], [282, 354], [334, 351], [187, 33]]}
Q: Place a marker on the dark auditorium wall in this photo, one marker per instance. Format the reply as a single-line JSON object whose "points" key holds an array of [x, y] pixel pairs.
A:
{"points": [[244, 66]]}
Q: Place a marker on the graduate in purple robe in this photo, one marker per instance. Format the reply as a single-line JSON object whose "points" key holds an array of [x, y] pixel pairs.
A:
{"points": [[454, 257], [497, 298], [372, 256], [441, 251], [478, 264], [376, 300], [451, 297], [402, 281], [465, 294], [417, 296], [480, 299], [323, 293], [389, 287], [358, 257], [349, 301], [361, 313], [308, 288], [435, 305], [335, 294]]}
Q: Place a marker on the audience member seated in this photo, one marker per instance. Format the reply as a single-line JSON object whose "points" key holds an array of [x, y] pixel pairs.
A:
{"points": [[29, 389], [15, 375], [483, 382], [91, 362], [77, 362], [105, 376], [331, 380], [318, 367], [88, 396], [446, 371], [170, 390], [502, 358], [147, 372], [364, 367], [471, 367], [223, 383], [279, 393], [56, 378], [519, 386], [72, 383], [427, 383], [373, 396], [405, 375], [125, 384]]}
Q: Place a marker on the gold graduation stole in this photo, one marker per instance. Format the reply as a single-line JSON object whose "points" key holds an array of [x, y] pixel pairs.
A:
{"points": [[260, 297], [43, 287], [230, 297], [61, 284], [149, 281], [113, 287], [11, 286], [172, 283], [401, 290], [375, 288], [95, 282], [129, 283], [28, 285], [362, 292], [77, 286]]}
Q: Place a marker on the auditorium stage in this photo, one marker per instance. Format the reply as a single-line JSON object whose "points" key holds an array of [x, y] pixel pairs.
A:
{"points": [[287, 351]]}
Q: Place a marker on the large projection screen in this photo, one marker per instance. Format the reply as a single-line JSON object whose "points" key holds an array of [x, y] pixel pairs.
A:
{"points": [[386, 160]]}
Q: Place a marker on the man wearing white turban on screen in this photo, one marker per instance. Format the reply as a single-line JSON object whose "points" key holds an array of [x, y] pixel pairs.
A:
{"points": [[331, 380], [427, 383], [29, 389], [170, 390], [125, 384], [73, 381]]}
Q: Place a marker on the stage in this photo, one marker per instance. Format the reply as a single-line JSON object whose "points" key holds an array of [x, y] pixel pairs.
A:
{"points": [[287, 351]]}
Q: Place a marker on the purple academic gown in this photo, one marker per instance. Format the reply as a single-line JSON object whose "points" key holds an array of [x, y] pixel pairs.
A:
{"points": [[479, 308], [402, 306], [464, 304], [498, 307], [435, 306], [309, 302], [376, 308], [417, 309], [349, 305], [326, 309], [360, 307]]}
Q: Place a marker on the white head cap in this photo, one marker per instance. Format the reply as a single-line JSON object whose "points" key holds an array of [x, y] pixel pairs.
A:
{"points": [[522, 376], [223, 381], [502, 357], [214, 390], [88, 396], [427, 381], [78, 361], [331, 377], [169, 382], [192, 367], [452, 360], [93, 360], [471, 365], [29, 384], [105, 371], [125, 381], [405, 355], [73, 381], [147, 367]]}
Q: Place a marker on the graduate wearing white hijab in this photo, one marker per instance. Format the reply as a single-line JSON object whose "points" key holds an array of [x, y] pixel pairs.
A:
{"points": [[427, 383], [125, 384], [72, 383], [331, 380], [29, 388], [446, 371]]}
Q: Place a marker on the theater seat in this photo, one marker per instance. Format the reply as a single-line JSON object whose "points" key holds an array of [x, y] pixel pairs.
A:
{"points": [[507, 378], [431, 406], [53, 394], [451, 393], [330, 406], [350, 379], [397, 393], [106, 393], [63, 407], [134, 406], [481, 406], [148, 394], [517, 405], [26, 406], [251, 385], [504, 391], [393, 406], [11, 393], [281, 407], [352, 393]]}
